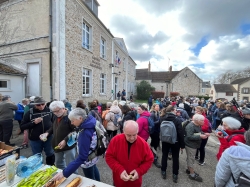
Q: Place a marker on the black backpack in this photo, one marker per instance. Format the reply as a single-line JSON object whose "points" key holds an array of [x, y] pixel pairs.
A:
{"points": [[242, 181]]}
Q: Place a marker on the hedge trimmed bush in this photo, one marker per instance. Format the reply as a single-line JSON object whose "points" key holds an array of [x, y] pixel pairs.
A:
{"points": [[157, 94]]}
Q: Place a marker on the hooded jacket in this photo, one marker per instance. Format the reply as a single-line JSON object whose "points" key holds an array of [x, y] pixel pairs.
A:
{"points": [[118, 158], [178, 125], [19, 112], [110, 117], [35, 130], [86, 131], [234, 160], [192, 138], [226, 143], [143, 125]]}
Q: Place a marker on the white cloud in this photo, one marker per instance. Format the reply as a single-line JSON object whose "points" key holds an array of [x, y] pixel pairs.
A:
{"points": [[159, 29]]}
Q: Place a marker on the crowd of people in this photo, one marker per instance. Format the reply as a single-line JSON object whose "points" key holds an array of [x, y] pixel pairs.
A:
{"points": [[62, 132]]}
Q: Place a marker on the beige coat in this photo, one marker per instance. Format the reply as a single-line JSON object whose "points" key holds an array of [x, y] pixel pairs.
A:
{"points": [[110, 117]]}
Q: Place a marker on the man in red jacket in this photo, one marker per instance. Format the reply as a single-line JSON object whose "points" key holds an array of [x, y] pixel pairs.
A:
{"points": [[129, 157]]}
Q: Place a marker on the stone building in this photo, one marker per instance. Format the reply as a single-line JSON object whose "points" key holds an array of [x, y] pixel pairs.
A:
{"points": [[64, 49], [205, 88], [223, 91], [242, 86], [185, 81]]}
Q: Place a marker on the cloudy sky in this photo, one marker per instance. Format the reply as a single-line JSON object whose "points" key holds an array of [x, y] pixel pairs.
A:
{"points": [[208, 36]]}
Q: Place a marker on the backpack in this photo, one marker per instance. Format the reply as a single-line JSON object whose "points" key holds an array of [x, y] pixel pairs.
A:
{"points": [[104, 122], [242, 181], [102, 141], [168, 132], [116, 117], [184, 124], [210, 127], [151, 124]]}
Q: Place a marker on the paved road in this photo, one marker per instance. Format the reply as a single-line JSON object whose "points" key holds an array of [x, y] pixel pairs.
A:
{"points": [[153, 177]]}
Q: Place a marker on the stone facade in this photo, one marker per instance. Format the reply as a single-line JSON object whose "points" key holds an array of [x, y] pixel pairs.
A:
{"points": [[185, 81], [24, 38], [78, 57]]}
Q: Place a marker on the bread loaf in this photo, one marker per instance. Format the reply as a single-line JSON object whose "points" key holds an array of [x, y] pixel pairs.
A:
{"points": [[75, 182]]}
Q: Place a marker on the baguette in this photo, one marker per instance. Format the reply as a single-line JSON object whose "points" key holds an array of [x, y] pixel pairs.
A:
{"points": [[75, 182]]}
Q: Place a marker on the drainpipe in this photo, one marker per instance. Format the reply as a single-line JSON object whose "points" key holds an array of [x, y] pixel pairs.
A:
{"points": [[112, 72], [50, 50], [24, 78]]}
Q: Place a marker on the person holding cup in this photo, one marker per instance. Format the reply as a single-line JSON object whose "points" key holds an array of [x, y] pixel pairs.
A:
{"points": [[38, 120]]}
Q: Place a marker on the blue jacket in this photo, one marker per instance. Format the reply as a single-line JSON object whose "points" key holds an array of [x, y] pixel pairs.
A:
{"points": [[68, 106], [84, 141], [19, 112]]}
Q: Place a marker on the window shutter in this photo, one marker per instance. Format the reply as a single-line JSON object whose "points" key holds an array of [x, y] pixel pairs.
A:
{"points": [[242, 90]]}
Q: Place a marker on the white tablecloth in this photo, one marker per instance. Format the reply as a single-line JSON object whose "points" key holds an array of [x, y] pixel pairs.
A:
{"points": [[85, 181]]}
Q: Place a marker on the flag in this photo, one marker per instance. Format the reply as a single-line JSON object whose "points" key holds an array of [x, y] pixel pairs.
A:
{"points": [[119, 61]]}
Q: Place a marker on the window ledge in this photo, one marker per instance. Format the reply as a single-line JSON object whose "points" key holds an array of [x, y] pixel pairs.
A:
{"points": [[105, 58], [87, 49], [86, 95], [102, 94]]}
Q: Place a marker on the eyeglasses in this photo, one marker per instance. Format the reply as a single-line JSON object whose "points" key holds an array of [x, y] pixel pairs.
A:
{"points": [[40, 104], [56, 111]]}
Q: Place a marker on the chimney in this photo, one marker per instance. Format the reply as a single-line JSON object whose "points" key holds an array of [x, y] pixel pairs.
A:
{"points": [[170, 69], [149, 66]]}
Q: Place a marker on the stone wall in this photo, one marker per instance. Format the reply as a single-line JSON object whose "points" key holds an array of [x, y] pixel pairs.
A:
{"points": [[186, 83], [24, 37]]}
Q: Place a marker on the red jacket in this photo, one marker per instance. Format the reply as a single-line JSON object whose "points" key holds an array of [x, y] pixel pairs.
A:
{"points": [[143, 125], [225, 143], [140, 159], [205, 126]]}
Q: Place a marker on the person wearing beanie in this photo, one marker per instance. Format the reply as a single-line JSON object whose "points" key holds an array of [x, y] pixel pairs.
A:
{"points": [[234, 131]]}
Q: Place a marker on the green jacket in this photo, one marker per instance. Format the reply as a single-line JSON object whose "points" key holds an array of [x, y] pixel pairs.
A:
{"points": [[192, 138], [6, 110]]}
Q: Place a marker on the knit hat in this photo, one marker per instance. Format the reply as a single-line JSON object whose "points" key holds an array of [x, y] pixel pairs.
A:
{"points": [[32, 98], [246, 111], [115, 102], [132, 105]]}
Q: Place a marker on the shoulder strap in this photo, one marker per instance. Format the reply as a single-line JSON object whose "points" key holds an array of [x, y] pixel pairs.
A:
{"points": [[31, 113], [231, 136]]}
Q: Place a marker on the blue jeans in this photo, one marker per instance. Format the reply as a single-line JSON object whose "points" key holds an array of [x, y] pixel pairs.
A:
{"points": [[92, 173], [39, 146], [62, 159]]}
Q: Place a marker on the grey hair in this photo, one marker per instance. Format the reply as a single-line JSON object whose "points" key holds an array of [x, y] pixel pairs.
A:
{"points": [[247, 137], [56, 104], [198, 117], [108, 104], [131, 122], [77, 113], [232, 123]]}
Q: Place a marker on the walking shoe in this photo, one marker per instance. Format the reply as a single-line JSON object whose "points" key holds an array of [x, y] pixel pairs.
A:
{"points": [[24, 146], [175, 178], [201, 163], [188, 172], [196, 158], [157, 164], [163, 174], [196, 178]]}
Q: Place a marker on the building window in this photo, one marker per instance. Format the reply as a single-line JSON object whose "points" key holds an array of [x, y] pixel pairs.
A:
{"points": [[102, 83], [103, 48], [86, 80], [211, 91], [246, 98], [229, 93], [202, 90], [3, 84], [245, 90], [86, 36]]}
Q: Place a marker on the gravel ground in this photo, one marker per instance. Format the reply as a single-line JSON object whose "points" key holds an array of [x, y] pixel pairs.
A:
{"points": [[153, 176]]}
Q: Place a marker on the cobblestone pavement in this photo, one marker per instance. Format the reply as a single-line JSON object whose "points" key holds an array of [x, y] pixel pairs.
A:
{"points": [[153, 177]]}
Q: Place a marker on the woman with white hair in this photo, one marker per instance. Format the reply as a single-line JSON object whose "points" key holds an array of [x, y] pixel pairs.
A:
{"points": [[234, 161], [86, 142], [235, 133]]}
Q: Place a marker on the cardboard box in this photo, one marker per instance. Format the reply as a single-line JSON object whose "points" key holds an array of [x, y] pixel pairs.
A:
{"points": [[11, 151]]}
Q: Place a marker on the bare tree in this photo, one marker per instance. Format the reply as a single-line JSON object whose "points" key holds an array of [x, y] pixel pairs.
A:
{"points": [[229, 76]]}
